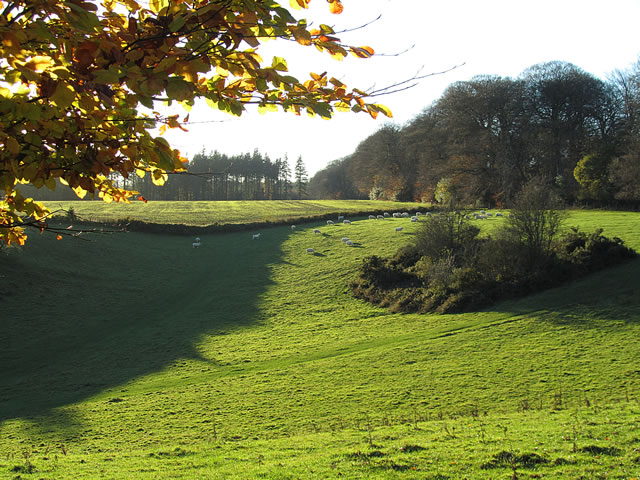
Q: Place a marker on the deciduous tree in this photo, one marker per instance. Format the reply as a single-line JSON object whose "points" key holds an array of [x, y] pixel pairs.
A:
{"points": [[80, 82]]}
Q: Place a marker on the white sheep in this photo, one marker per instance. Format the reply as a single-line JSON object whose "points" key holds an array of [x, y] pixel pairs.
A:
{"points": [[398, 229], [329, 222], [380, 217], [310, 250], [347, 222], [372, 217], [418, 214], [349, 243], [316, 231], [386, 214], [405, 215], [414, 219], [396, 214], [293, 227], [255, 236]]}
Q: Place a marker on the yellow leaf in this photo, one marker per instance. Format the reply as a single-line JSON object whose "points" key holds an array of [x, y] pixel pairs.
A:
{"points": [[157, 5], [384, 110], [279, 64], [79, 191], [159, 177], [298, 4], [39, 63]]}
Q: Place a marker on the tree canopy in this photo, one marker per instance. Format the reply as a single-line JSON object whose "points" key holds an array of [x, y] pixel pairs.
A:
{"points": [[81, 83], [485, 138]]}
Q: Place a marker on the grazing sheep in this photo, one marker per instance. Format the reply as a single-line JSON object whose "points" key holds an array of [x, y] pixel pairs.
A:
{"points": [[255, 236], [414, 219], [428, 214], [498, 214], [293, 227], [418, 214], [329, 222], [380, 217], [396, 214], [398, 229], [405, 215], [347, 222], [349, 243], [372, 217], [310, 250], [316, 231], [345, 239], [386, 214]]}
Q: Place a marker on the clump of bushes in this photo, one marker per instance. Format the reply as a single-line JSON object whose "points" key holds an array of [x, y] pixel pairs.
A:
{"points": [[449, 268]]}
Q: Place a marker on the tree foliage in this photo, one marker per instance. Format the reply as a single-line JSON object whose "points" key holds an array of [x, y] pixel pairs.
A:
{"points": [[490, 135], [80, 82]]}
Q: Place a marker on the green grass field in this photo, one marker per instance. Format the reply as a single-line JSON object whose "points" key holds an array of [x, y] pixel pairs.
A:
{"points": [[137, 356], [208, 213]]}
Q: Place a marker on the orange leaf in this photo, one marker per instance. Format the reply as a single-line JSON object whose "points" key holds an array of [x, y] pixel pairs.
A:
{"points": [[336, 7], [362, 52]]}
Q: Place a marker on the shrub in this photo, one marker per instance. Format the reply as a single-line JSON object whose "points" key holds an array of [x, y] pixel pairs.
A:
{"points": [[449, 269], [446, 234]]}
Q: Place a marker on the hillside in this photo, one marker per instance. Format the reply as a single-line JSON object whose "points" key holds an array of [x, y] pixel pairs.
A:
{"points": [[138, 353]]}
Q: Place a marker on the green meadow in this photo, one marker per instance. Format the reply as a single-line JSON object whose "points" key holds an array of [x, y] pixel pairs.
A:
{"points": [[221, 212], [132, 355]]}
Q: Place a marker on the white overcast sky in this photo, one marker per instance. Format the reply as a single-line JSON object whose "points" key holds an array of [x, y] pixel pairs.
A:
{"points": [[493, 37]]}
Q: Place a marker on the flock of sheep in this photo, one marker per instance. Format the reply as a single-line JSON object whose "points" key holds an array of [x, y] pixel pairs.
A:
{"points": [[344, 221], [478, 216]]}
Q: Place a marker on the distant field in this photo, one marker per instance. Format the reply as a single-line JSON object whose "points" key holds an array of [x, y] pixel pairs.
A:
{"points": [[134, 355], [209, 213]]}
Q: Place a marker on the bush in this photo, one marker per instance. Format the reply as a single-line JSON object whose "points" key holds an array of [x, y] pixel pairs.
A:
{"points": [[535, 220], [446, 234], [449, 269]]}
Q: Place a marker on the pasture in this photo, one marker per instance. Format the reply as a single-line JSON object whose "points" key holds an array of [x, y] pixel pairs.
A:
{"points": [[222, 212], [137, 356]]}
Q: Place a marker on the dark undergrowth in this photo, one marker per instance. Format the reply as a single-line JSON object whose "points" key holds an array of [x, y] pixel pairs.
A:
{"points": [[449, 269]]}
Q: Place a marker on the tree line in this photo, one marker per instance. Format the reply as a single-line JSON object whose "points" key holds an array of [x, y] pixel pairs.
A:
{"points": [[483, 139], [211, 176]]}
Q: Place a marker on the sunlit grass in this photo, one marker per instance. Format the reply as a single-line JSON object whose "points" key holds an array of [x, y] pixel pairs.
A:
{"points": [[222, 212], [138, 356]]}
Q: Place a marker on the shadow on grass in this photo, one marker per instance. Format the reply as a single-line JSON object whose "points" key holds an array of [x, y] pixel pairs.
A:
{"points": [[79, 318], [610, 294]]}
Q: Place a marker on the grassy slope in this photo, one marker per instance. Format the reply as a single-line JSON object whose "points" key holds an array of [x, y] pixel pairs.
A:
{"points": [[212, 351], [208, 213]]}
